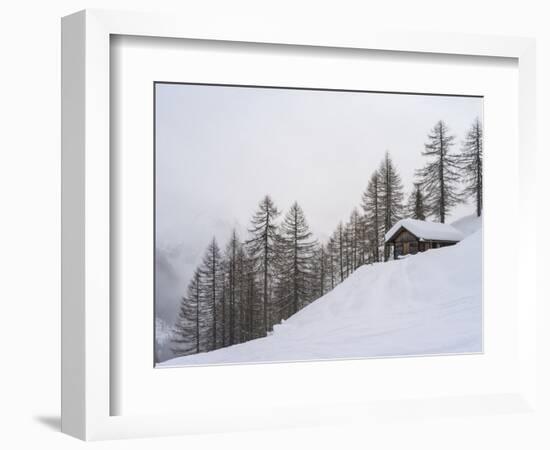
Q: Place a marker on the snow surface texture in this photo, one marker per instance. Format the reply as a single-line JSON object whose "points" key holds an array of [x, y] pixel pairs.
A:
{"points": [[429, 303], [427, 230]]}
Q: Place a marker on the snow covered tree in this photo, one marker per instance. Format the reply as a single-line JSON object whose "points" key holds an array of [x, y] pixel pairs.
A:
{"points": [[296, 253], [471, 164], [187, 329], [415, 204], [261, 248], [439, 177], [373, 216], [212, 278]]}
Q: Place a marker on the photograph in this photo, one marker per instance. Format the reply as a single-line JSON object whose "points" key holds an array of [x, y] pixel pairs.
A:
{"points": [[304, 224]]}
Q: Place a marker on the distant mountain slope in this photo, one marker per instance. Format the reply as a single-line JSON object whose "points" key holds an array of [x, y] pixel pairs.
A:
{"points": [[429, 303]]}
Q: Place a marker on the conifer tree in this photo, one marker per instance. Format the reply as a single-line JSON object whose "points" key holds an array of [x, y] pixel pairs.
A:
{"points": [[373, 216], [415, 204], [471, 164], [187, 329], [250, 320], [347, 245], [212, 281], [339, 248], [439, 177], [363, 240], [222, 311], [296, 254], [231, 269], [391, 193], [390, 196], [261, 247], [331, 263], [356, 238], [321, 272], [241, 269]]}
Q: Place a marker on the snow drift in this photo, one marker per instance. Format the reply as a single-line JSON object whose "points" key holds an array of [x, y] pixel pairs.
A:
{"points": [[429, 303]]}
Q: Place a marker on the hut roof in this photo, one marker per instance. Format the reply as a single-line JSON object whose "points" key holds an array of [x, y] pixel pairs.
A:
{"points": [[428, 231]]}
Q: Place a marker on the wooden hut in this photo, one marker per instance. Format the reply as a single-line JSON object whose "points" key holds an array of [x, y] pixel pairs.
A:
{"points": [[410, 236]]}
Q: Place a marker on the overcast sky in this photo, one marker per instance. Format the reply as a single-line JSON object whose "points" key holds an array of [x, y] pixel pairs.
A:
{"points": [[220, 149]]}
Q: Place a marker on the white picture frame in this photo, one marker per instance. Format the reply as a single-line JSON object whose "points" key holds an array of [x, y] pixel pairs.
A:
{"points": [[86, 215]]}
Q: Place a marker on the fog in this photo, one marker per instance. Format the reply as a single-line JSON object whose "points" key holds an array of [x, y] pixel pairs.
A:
{"points": [[220, 149]]}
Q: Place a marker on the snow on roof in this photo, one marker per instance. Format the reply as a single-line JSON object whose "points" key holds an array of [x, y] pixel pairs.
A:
{"points": [[426, 230]]}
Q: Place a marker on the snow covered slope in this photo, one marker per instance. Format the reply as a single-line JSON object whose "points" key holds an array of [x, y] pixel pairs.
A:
{"points": [[429, 303]]}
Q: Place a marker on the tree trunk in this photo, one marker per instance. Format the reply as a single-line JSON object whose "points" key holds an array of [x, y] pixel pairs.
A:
{"points": [[197, 322], [478, 173], [266, 260], [214, 299], [441, 178]]}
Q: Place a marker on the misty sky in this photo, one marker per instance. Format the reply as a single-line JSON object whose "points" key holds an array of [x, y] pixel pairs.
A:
{"points": [[220, 149]]}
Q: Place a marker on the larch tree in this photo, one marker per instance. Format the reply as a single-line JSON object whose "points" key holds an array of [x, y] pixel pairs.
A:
{"points": [[415, 205], [471, 164], [332, 258], [186, 334], [248, 297], [232, 292], [297, 257], [222, 311], [339, 248], [441, 174], [261, 248], [363, 240], [357, 239], [212, 277], [320, 271], [348, 251], [372, 213], [390, 196], [241, 289], [281, 303]]}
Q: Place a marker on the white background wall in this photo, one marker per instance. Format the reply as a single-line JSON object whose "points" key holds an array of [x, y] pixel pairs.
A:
{"points": [[29, 225]]}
